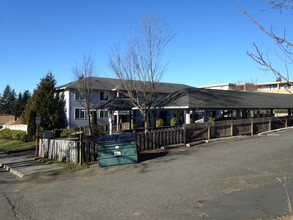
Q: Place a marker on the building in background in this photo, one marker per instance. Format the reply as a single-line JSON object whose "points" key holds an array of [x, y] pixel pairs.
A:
{"points": [[282, 87], [15, 124], [248, 87], [5, 118]]}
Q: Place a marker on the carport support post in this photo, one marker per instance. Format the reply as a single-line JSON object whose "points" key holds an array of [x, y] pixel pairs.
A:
{"points": [[130, 119], [118, 124], [187, 116], [110, 125], [184, 134]]}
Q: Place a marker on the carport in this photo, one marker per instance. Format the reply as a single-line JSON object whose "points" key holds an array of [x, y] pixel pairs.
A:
{"points": [[240, 104]]}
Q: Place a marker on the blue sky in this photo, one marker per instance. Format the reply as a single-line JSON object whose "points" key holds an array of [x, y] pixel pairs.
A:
{"points": [[212, 38]]}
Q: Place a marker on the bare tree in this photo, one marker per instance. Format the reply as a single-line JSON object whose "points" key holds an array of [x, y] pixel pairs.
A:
{"points": [[83, 71], [140, 67], [284, 44]]}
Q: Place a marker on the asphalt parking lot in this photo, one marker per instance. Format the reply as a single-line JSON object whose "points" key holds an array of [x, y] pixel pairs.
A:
{"points": [[228, 179]]}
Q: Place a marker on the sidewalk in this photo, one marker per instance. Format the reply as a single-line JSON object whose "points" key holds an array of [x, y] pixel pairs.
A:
{"points": [[22, 164]]}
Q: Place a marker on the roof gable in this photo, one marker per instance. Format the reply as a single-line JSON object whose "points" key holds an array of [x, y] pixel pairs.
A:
{"points": [[18, 121], [5, 118]]}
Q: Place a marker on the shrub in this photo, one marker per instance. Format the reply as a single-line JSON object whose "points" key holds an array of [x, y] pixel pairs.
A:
{"points": [[14, 135], [69, 132], [211, 119], [6, 134], [159, 123], [20, 135], [173, 121]]}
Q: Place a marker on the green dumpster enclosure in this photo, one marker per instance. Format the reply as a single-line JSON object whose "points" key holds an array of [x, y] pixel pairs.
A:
{"points": [[118, 151]]}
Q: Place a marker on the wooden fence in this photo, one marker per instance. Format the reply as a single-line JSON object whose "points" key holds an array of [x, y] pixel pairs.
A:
{"points": [[155, 139], [220, 129], [69, 150], [86, 151], [89, 151]]}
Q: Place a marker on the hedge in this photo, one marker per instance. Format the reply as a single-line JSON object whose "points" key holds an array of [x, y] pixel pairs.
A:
{"points": [[13, 135]]}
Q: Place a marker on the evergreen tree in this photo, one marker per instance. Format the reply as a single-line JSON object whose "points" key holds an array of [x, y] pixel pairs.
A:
{"points": [[16, 111], [7, 100], [47, 104], [29, 117], [20, 103]]}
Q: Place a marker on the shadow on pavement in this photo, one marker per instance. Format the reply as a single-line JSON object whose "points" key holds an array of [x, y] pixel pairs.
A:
{"points": [[144, 156]]}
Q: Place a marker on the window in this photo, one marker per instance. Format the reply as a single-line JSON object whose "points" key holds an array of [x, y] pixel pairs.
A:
{"points": [[103, 114], [78, 96], [79, 113], [104, 95]]}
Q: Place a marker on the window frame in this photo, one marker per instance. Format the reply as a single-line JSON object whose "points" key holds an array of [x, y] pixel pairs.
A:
{"points": [[103, 113], [104, 95], [77, 96], [81, 112]]}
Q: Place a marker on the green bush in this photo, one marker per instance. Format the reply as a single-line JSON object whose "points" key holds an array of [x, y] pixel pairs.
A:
{"points": [[159, 123], [69, 132], [173, 121], [14, 135], [211, 119], [20, 135], [6, 134]]}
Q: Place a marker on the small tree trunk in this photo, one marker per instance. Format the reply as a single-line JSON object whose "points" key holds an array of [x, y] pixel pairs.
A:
{"points": [[146, 120], [89, 123]]}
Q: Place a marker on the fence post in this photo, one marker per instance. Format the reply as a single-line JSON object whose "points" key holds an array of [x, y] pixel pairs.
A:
{"points": [[80, 147], [209, 132], [251, 127], [87, 151], [270, 124], [286, 123], [94, 151], [231, 129], [184, 133], [138, 141]]}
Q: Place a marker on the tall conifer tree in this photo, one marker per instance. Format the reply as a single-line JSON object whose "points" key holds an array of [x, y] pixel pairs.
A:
{"points": [[47, 104]]}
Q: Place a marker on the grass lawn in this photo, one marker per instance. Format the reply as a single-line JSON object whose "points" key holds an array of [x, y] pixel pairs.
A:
{"points": [[15, 145]]}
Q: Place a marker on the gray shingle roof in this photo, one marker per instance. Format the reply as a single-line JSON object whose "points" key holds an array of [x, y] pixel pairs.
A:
{"points": [[195, 98], [117, 104], [109, 84]]}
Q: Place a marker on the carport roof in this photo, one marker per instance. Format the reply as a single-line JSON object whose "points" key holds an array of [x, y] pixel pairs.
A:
{"points": [[196, 98]]}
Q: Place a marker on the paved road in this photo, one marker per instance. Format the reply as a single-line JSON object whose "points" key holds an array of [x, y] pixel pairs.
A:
{"points": [[234, 179], [7, 181]]}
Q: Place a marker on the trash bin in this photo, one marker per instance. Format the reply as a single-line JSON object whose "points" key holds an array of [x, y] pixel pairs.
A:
{"points": [[117, 152]]}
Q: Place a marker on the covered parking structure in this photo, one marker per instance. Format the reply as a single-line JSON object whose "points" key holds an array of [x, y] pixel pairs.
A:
{"points": [[237, 104], [192, 104]]}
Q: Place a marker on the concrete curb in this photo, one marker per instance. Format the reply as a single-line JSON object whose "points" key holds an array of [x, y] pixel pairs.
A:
{"points": [[171, 146], [11, 170], [276, 130], [191, 144]]}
